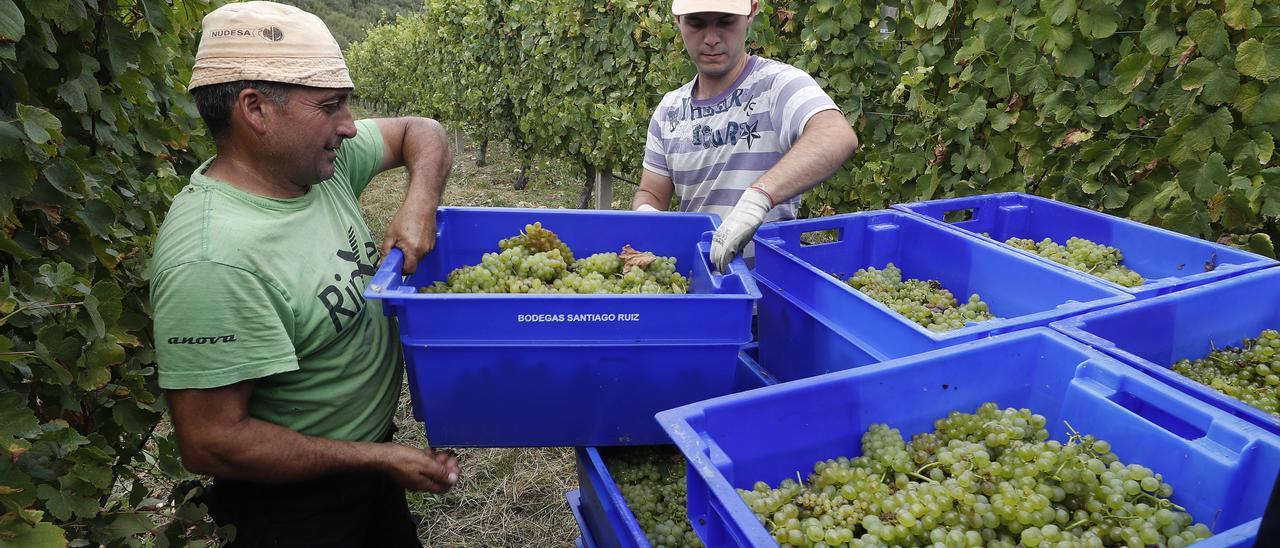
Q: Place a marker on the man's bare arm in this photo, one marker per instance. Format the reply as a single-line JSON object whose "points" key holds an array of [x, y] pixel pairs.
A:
{"points": [[217, 437], [826, 142], [421, 145], [655, 191]]}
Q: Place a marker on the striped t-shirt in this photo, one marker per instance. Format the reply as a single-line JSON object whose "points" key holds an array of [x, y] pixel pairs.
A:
{"points": [[714, 149]]}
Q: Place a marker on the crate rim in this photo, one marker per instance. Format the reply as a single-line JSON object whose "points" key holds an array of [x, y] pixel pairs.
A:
{"points": [[1151, 285]]}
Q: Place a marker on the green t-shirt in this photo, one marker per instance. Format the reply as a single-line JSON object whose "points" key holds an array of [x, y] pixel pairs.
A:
{"points": [[250, 287]]}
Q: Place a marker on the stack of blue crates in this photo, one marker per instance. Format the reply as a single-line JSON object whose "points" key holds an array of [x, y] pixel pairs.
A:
{"points": [[501, 371], [604, 517]]}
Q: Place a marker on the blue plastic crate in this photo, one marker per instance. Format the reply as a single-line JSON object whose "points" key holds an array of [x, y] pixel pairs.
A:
{"points": [[496, 370], [812, 322], [1221, 467], [1169, 261], [584, 540], [605, 516], [1154, 334]]}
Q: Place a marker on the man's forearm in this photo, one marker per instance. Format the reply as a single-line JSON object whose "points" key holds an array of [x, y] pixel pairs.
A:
{"points": [[428, 158], [256, 450], [823, 147]]}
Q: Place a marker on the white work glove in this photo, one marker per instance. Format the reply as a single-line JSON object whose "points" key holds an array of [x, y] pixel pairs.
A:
{"points": [[646, 207], [738, 228]]}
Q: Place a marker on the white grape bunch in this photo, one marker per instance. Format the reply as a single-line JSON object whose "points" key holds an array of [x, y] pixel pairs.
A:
{"points": [[990, 478], [1249, 372], [924, 302], [537, 261]]}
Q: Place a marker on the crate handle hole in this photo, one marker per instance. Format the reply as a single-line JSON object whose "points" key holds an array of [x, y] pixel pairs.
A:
{"points": [[958, 215], [1162, 418], [820, 237]]}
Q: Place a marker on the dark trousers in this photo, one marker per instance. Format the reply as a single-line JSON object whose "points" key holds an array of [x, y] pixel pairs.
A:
{"points": [[341, 510]]}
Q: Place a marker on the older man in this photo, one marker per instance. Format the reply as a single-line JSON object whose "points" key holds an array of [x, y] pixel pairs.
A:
{"points": [[281, 380]]}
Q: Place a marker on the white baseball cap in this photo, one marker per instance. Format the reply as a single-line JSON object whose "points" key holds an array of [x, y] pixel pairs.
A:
{"points": [[735, 7], [270, 42]]}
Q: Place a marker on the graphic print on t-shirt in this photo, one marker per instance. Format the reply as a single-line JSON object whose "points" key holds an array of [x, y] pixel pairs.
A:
{"points": [[344, 300], [731, 132]]}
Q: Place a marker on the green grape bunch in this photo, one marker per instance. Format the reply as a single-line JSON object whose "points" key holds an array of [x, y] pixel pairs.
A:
{"points": [[924, 302], [1249, 373], [537, 261], [990, 478], [652, 482], [1084, 255]]}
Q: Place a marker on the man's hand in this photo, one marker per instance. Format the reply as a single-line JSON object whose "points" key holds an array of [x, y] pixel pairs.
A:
{"points": [[414, 232], [421, 469], [738, 228]]}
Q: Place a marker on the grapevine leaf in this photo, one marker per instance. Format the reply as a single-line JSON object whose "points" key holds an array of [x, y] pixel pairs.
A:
{"points": [[10, 140], [156, 14], [1202, 131], [1131, 71], [1158, 35], [1271, 192], [1206, 178], [73, 94], [1099, 22], [1240, 15], [1197, 72], [16, 419], [1058, 10], [1258, 105], [39, 125], [1259, 59], [12, 25], [1236, 210], [1217, 82], [63, 175], [1260, 243], [18, 534], [98, 217], [1076, 61], [1110, 101], [130, 525], [1188, 217], [1115, 196], [934, 14], [635, 259], [109, 296], [1210, 35]]}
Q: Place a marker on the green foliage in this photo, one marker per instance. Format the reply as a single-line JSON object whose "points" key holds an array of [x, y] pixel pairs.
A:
{"points": [[349, 19], [95, 131], [1165, 112]]}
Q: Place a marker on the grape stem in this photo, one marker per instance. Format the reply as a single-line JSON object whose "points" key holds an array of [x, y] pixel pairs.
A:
{"points": [[928, 466], [922, 478], [1163, 502], [1076, 524]]}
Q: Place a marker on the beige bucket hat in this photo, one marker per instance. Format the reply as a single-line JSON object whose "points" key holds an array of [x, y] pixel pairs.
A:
{"points": [[271, 42], [736, 7]]}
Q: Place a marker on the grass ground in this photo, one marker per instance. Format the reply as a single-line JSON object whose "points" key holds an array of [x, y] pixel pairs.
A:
{"points": [[505, 497]]}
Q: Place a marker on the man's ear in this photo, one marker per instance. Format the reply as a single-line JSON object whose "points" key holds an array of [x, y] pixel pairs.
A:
{"points": [[254, 109]]}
